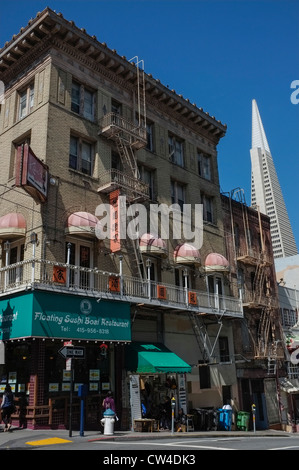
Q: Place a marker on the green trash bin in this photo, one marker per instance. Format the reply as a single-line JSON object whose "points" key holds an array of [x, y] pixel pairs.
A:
{"points": [[243, 418]]}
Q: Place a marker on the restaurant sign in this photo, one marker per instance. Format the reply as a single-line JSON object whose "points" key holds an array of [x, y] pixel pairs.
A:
{"points": [[48, 315]]}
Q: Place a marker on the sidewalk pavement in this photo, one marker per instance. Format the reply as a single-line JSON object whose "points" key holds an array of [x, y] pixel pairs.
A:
{"points": [[22, 436]]}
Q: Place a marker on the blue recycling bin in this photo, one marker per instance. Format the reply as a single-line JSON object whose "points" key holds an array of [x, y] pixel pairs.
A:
{"points": [[224, 419]]}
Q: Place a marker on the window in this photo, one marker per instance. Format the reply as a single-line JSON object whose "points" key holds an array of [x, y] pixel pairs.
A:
{"points": [[82, 101], [207, 202], [204, 375], [223, 349], [80, 254], [150, 136], [75, 106], [81, 155], [115, 107], [147, 176], [175, 147], [204, 166], [116, 162], [15, 255], [178, 193], [289, 317], [26, 101]]}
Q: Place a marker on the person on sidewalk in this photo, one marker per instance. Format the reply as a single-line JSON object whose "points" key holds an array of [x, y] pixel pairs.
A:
{"points": [[181, 421], [7, 407]]}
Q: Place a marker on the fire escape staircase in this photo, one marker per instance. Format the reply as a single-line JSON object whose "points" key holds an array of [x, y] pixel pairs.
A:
{"points": [[129, 137]]}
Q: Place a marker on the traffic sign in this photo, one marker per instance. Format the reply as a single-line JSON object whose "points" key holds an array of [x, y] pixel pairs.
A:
{"points": [[69, 352]]}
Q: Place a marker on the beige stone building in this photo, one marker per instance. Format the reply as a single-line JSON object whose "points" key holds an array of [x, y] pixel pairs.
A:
{"points": [[80, 127]]}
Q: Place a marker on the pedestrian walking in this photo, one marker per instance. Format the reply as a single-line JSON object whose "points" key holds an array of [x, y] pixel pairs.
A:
{"points": [[7, 407]]}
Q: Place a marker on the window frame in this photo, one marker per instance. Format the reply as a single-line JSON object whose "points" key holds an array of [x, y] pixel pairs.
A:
{"points": [[78, 100], [144, 169], [150, 136], [26, 97], [175, 185], [78, 156], [208, 213], [176, 150], [224, 355], [204, 165]]}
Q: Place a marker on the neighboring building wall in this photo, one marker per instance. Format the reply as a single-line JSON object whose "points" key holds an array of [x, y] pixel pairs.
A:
{"points": [[257, 338]]}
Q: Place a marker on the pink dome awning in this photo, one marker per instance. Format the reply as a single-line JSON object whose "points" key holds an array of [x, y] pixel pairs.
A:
{"points": [[12, 225], [186, 254], [216, 262], [150, 243], [81, 223]]}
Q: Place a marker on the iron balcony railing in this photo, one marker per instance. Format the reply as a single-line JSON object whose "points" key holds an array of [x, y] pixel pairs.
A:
{"points": [[112, 179], [112, 124], [61, 277]]}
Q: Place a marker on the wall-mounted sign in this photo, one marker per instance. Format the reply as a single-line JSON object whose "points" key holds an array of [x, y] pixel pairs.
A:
{"points": [[31, 173], [114, 221]]}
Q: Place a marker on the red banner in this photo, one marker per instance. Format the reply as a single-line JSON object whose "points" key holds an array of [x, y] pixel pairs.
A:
{"points": [[114, 221]]}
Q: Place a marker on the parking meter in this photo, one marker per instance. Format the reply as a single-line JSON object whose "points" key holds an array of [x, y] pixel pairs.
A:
{"points": [[172, 413], [253, 408], [82, 393]]}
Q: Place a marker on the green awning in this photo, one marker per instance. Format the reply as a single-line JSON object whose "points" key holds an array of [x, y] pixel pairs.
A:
{"points": [[146, 358]]}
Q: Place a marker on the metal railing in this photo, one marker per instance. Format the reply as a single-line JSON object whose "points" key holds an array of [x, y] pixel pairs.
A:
{"points": [[61, 277], [113, 123], [114, 178]]}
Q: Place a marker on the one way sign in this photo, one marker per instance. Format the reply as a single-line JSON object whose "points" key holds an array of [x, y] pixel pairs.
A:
{"points": [[72, 352]]}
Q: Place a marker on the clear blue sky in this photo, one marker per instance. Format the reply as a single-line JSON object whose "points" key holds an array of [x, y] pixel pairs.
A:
{"points": [[220, 54]]}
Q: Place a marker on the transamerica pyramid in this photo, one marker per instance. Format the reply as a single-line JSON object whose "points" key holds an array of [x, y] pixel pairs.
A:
{"points": [[266, 193]]}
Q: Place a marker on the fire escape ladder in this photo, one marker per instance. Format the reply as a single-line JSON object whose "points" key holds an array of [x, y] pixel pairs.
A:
{"points": [[132, 246], [127, 157], [258, 282], [272, 366], [138, 259]]}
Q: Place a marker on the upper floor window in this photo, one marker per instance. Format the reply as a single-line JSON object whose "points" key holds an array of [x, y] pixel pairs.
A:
{"points": [[224, 349], [178, 193], [147, 175], [83, 101], [81, 155], [204, 166], [208, 211], [26, 101], [150, 136], [176, 153], [116, 107]]}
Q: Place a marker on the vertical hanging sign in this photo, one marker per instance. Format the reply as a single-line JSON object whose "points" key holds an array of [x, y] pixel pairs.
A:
{"points": [[114, 221]]}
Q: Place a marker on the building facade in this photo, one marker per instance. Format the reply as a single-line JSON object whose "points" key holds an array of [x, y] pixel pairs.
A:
{"points": [[89, 140], [266, 191], [287, 276]]}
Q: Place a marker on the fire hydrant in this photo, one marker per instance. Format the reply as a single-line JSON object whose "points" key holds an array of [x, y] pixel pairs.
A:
{"points": [[108, 422]]}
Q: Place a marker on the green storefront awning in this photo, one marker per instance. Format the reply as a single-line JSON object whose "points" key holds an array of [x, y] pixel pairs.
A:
{"points": [[42, 314], [145, 358]]}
